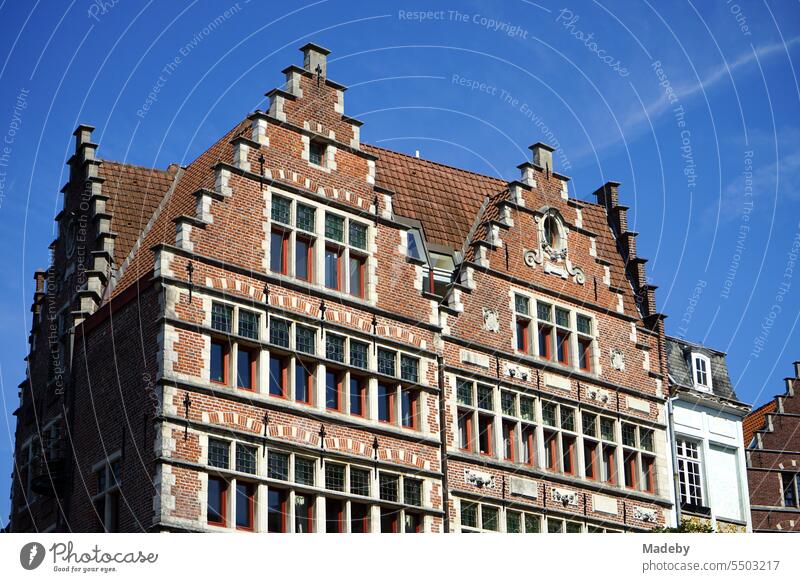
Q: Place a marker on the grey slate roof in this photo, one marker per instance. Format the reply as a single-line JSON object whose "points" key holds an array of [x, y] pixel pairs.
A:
{"points": [[678, 354]]}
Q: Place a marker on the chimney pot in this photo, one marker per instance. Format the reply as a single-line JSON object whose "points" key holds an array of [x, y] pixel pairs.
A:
{"points": [[315, 56]]}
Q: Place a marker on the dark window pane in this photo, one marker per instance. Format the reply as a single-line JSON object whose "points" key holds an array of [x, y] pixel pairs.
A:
{"points": [[334, 516], [522, 305], [244, 369], [409, 368], [584, 324], [485, 397], [304, 471], [485, 435], [248, 324], [279, 332], [408, 403], [526, 408], [359, 518], [549, 413], [490, 518], [302, 383], [358, 354], [278, 466], [245, 459], [358, 235], [276, 510], [217, 367], [221, 316], [389, 520], [464, 392], [216, 500], [302, 259], [334, 477], [334, 347], [356, 274], [332, 390], [244, 505], [218, 454], [303, 514], [412, 523], [332, 275], [567, 418], [277, 252], [508, 403], [562, 317], [316, 153], [544, 312], [385, 403], [357, 396], [387, 362], [389, 487], [277, 377], [469, 514]]}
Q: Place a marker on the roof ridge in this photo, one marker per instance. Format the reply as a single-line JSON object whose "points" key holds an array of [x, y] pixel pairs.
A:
{"points": [[427, 161], [139, 166]]}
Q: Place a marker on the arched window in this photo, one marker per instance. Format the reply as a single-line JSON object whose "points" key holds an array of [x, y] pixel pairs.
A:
{"points": [[551, 234]]}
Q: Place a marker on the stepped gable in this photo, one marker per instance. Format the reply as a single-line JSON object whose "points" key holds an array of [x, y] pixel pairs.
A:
{"points": [[756, 420], [134, 195], [446, 200]]}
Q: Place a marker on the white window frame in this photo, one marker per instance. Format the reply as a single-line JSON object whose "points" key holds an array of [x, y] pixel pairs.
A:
{"points": [[683, 461], [697, 358]]}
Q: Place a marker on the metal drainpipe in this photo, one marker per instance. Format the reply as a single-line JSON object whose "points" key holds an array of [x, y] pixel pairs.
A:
{"points": [[443, 447], [674, 452]]}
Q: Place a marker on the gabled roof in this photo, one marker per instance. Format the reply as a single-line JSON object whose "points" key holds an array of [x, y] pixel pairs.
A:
{"points": [[678, 354], [446, 200], [756, 419], [134, 194]]}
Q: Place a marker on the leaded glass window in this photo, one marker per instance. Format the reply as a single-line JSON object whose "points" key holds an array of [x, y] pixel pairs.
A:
{"points": [[248, 324], [304, 471], [567, 418], [358, 235], [359, 482], [334, 476], [334, 347], [589, 424], [412, 492], [469, 514], [279, 332], [305, 218], [386, 362], [464, 392], [549, 413], [584, 324], [544, 311], [508, 403], [562, 317], [490, 517], [334, 227], [646, 438], [221, 316], [628, 435], [218, 453], [522, 305], [513, 522], [607, 429], [281, 210], [409, 368], [305, 339], [245, 458], [358, 354], [526, 408], [278, 466], [485, 397], [389, 487]]}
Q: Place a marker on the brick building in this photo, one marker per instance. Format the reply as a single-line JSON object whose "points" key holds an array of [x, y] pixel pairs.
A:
{"points": [[772, 435], [302, 332]]}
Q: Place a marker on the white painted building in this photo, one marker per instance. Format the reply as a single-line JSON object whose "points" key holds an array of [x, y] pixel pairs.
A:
{"points": [[708, 459]]}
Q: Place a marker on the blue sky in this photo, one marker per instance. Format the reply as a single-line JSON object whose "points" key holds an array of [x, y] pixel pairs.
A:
{"points": [[693, 107]]}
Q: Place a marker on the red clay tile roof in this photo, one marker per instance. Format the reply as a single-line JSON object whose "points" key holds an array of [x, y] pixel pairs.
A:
{"points": [[135, 193], [446, 200], [755, 420]]}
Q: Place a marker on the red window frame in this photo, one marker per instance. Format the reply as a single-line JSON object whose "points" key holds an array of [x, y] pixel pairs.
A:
{"points": [[562, 339], [223, 503], [283, 497], [309, 257], [309, 513], [485, 418], [252, 371], [413, 396], [551, 450], [585, 354], [418, 518], [568, 454], [250, 495], [284, 270], [610, 464], [338, 379], [546, 338], [362, 395], [590, 460], [529, 442], [509, 441], [465, 423], [301, 365], [391, 516], [226, 352], [629, 463], [284, 379], [362, 264], [523, 343]]}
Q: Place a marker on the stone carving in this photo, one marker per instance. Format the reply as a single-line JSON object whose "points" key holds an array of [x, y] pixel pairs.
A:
{"points": [[551, 251], [597, 394], [514, 371], [479, 479], [564, 496], [644, 514], [618, 359], [491, 321]]}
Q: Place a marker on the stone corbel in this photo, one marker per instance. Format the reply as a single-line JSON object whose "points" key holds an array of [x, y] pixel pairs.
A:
{"points": [[564, 496], [479, 479]]}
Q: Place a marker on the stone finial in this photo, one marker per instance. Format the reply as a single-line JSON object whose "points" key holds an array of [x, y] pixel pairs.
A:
{"points": [[315, 56]]}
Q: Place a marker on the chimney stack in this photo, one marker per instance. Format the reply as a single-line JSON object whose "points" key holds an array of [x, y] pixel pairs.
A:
{"points": [[543, 156], [315, 56]]}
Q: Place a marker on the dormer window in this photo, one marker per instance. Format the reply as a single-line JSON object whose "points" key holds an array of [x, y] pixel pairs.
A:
{"points": [[316, 153], [416, 248], [701, 371]]}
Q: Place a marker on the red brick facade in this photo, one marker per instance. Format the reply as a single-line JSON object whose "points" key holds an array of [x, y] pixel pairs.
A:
{"points": [[266, 344], [773, 461]]}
